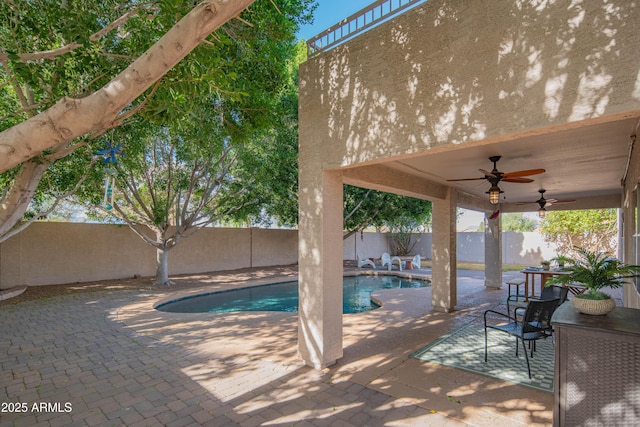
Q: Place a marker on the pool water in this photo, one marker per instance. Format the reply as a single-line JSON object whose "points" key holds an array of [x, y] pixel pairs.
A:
{"points": [[356, 296]]}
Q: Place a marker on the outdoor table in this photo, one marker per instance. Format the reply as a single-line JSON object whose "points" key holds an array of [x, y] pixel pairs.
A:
{"points": [[530, 279]]}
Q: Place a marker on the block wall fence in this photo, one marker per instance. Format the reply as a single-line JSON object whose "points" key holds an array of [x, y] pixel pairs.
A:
{"points": [[49, 253]]}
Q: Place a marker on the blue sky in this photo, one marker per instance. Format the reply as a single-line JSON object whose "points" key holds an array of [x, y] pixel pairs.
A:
{"points": [[330, 12]]}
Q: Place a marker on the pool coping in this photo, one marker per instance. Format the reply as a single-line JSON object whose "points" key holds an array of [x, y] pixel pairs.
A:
{"points": [[205, 290]]}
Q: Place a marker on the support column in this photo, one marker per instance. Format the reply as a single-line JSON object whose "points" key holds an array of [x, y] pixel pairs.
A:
{"points": [[492, 252], [444, 277], [320, 267]]}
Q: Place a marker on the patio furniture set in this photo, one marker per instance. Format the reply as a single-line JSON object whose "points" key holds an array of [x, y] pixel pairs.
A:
{"points": [[388, 261]]}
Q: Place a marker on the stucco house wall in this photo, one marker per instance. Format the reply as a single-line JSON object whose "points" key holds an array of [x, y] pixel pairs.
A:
{"points": [[455, 72], [445, 74]]}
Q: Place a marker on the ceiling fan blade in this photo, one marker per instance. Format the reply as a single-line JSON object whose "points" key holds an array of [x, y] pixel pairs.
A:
{"points": [[523, 173], [487, 173], [466, 179], [518, 180], [548, 202], [558, 202]]}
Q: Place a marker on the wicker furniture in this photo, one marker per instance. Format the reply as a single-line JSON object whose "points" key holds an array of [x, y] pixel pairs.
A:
{"points": [[597, 367]]}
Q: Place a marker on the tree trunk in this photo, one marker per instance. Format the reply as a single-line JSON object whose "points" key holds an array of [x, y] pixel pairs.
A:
{"points": [[15, 203], [162, 266]]}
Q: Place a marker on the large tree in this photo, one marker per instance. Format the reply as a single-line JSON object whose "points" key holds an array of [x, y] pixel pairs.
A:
{"points": [[46, 44], [595, 230], [207, 161], [72, 70], [171, 182]]}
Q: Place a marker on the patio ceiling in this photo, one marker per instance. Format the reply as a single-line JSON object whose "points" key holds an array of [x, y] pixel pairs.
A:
{"points": [[586, 163]]}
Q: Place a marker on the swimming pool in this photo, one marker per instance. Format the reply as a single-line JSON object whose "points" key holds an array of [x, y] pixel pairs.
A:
{"points": [[356, 296]]}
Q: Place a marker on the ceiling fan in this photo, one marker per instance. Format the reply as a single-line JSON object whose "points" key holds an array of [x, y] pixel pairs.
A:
{"points": [[542, 202], [495, 176]]}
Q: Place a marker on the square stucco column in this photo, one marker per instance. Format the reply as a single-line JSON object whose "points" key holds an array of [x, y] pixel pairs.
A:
{"points": [[320, 267], [492, 252], [443, 272]]}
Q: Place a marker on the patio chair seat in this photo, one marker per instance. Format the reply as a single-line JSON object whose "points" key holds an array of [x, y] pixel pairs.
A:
{"points": [[535, 325], [388, 261], [365, 262], [548, 293]]}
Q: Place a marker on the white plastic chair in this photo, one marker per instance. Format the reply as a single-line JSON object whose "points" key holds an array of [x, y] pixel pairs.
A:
{"points": [[365, 262], [388, 261], [415, 262]]}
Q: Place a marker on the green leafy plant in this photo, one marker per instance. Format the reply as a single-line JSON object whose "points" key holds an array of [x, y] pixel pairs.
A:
{"points": [[595, 270]]}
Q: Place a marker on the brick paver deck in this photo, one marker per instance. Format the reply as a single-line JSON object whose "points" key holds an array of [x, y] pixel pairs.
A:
{"points": [[107, 358]]}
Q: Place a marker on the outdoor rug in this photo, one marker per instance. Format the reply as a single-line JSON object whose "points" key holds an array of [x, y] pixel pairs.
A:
{"points": [[463, 348]]}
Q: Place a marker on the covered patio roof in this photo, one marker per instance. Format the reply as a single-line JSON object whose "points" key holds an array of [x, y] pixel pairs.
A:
{"points": [[585, 163]]}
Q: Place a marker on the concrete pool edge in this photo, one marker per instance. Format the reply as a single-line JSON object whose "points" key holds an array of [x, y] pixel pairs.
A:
{"points": [[205, 290]]}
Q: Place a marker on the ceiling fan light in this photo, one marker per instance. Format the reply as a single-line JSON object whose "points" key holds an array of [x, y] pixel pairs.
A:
{"points": [[494, 194], [542, 212]]}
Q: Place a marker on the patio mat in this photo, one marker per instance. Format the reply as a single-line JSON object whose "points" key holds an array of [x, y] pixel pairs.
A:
{"points": [[463, 348]]}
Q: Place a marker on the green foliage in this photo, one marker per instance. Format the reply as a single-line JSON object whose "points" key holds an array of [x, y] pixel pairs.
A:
{"points": [[401, 231], [34, 27], [595, 270], [275, 165], [367, 208], [517, 222], [595, 230], [239, 77]]}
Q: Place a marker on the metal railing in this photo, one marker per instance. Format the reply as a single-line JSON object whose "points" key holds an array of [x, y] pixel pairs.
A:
{"points": [[366, 18]]}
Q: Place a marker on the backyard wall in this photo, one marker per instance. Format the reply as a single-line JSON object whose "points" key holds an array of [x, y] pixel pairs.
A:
{"points": [[517, 248], [53, 252]]}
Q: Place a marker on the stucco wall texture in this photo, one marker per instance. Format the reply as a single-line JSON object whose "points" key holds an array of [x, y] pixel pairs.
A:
{"points": [[53, 253], [451, 72]]}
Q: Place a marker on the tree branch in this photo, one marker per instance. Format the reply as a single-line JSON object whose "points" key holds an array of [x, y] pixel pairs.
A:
{"points": [[70, 118], [53, 53]]}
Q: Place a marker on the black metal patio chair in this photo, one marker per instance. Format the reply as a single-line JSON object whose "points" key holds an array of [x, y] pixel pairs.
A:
{"points": [[535, 324], [548, 292]]}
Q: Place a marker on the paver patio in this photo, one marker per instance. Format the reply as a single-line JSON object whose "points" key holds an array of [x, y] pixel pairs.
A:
{"points": [[114, 360]]}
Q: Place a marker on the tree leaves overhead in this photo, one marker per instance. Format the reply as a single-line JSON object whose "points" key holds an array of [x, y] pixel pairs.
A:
{"points": [[50, 50], [37, 32]]}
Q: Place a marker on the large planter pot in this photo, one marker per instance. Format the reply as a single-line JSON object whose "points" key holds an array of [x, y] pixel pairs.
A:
{"points": [[594, 307]]}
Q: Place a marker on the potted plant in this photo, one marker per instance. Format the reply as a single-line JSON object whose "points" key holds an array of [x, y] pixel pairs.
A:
{"points": [[545, 265], [595, 271]]}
